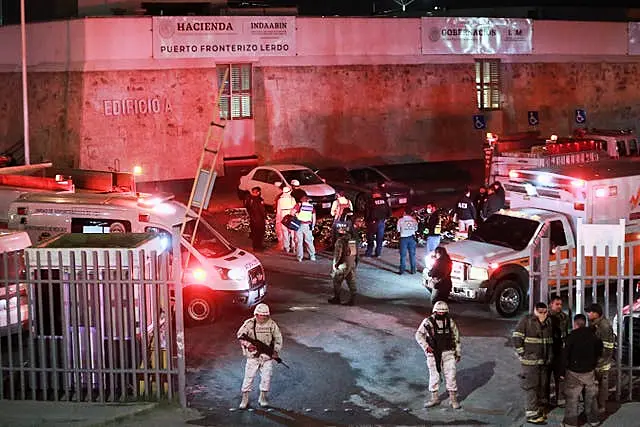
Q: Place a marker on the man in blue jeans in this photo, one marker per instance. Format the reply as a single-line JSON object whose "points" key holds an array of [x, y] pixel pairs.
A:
{"points": [[433, 228], [376, 213], [407, 227]]}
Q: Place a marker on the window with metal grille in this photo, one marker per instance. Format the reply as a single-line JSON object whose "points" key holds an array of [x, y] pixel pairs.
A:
{"points": [[235, 102], [488, 83]]}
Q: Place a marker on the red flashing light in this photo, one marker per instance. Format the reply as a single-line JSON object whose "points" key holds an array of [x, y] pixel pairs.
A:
{"points": [[143, 217], [514, 174], [22, 211], [578, 206]]}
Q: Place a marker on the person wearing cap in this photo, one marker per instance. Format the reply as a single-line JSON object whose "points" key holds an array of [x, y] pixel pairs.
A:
{"points": [[533, 342], [407, 227], [376, 213], [261, 327], [581, 354], [439, 338], [306, 214], [603, 330], [345, 261], [296, 191], [284, 206]]}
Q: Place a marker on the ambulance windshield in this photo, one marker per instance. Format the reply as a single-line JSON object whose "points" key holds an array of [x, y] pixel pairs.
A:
{"points": [[508, 231], [208, 241]]}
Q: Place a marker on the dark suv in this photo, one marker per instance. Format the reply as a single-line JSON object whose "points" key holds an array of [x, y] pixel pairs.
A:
{"points": [[357, 184]]}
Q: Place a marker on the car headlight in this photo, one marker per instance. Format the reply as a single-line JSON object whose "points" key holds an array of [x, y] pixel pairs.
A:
{"points": [[429, 260], [477, 273], [237, 274]]}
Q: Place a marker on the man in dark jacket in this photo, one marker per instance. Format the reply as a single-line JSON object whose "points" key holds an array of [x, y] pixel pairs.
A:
{"points": [[257, 216], [376, 213], [581, 356], [533, 340], [465, 212], [493, 204], [479, 201], [560, 324]]}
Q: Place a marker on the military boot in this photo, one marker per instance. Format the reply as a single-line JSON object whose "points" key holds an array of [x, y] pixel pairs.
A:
{"points": [[335, 299], [245, 400], [351, 300], [453, 398], [262, 400], [434, 400]]}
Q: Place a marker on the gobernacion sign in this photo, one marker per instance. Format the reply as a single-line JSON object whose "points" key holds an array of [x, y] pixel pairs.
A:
{"points": [[471, 36], [223, 36]]}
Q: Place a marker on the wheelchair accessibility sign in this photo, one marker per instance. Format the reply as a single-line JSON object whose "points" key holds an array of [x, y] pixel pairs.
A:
{"points": [[581, 116], [533, 118], [479, 122]]}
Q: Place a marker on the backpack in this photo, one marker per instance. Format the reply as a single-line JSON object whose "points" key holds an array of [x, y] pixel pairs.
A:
{"points": [[291, 222]]}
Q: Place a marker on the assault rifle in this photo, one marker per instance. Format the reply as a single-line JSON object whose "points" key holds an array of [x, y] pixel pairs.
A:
{"points": [[262, 348]]}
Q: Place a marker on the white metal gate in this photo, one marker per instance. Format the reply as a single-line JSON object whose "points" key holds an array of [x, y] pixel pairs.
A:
{"points": [[611, 279], [90, 331]]}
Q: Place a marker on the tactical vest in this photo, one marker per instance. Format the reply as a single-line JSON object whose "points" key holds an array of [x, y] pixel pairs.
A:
{"points": [[305, 214], [443, 336]]}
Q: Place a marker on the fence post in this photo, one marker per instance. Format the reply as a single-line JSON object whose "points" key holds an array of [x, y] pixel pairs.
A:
{"points": [[177, 286]]}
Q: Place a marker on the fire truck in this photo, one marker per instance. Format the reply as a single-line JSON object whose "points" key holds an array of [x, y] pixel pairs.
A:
{"points": [[530, 150], [493, 264], [218, 273]]}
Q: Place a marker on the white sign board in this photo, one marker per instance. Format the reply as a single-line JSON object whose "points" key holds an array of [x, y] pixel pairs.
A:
{"points": [[442, 36], [223, 36], [634, 38]]}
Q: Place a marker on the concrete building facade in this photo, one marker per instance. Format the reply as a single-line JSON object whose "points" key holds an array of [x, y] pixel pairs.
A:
{"points": [[104, 94]]}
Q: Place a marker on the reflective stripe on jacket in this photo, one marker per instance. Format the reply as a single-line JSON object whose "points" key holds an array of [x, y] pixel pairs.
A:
{"points": [[533, 341], [305, 212], [604, 331]]}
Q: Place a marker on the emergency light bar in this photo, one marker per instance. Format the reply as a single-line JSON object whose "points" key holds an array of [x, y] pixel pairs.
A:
{"points": [[545, 179], [146, 200]]}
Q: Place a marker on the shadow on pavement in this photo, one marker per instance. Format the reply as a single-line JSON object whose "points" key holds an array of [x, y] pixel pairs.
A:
{"points": [[473, 378]]}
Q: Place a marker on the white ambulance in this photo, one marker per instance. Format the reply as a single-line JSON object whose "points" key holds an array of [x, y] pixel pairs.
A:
{"points": [[218, 274], [493, 264], [14, 308]]}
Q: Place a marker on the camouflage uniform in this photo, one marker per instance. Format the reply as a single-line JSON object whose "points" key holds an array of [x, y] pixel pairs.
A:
{"points": [[345, 260]]}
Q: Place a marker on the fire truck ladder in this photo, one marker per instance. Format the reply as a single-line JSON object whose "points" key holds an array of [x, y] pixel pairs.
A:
{"points": [[206, 171]]}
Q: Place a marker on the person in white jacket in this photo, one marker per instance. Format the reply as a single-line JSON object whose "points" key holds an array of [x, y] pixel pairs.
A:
{"points": [[286, 237], [339, 205], [262, 328]]}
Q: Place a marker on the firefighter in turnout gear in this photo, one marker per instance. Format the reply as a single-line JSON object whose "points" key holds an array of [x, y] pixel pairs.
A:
{"points": [[262, 328], [603, 330], [533, 342], [440, 340], [345, 261]]}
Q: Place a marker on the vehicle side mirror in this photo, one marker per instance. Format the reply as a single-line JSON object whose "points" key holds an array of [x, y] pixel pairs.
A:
{"points": [[278, 184], [324, 180]]}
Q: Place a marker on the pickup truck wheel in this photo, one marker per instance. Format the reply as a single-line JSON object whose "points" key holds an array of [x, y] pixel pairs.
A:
{"points": [[199, 307], [508, 298]]}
